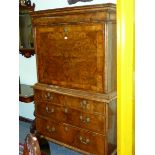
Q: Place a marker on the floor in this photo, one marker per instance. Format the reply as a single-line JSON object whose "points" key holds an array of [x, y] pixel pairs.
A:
{"points": [[24, 129]]}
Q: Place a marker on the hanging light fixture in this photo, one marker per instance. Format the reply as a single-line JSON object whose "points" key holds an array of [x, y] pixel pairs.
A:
{"points": [[75, 1]]}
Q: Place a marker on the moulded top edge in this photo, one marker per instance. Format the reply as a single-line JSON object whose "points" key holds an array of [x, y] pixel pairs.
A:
{"points": [[78, 9]]}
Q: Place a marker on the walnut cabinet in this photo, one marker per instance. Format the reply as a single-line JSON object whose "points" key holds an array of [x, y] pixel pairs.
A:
{"points": [[75, 97]]}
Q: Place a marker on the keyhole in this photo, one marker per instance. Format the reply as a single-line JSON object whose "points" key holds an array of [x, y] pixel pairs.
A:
{"points": [[65, 30]]}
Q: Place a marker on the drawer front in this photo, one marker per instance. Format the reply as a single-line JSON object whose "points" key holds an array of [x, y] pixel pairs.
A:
{"points": [[52, 111], [96, 123], [73, 136], [72, 57], [85, 105], [51, 98], [48, 128], [72, 102]]}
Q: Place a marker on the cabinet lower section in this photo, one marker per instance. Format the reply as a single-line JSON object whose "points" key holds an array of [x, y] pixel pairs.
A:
{"points": [[83, 124]]}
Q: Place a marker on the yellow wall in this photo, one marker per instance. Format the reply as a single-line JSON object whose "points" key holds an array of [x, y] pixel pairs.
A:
{"points": [[125, 77]]}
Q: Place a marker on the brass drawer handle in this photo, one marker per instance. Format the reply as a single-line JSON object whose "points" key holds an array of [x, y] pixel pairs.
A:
{"points": [[66, 129], [50, 129], [65, 30], [84, 140], [66, 110], [84, 120], [49, 110], [83, 104], [48, 95]]}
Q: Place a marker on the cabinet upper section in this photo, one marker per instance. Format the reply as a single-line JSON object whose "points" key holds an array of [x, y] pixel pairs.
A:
{"points": [[76, 47]]}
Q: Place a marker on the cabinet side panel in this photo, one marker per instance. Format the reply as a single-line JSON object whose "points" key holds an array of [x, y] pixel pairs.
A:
{"points": [[112, 123], [110, 57]]}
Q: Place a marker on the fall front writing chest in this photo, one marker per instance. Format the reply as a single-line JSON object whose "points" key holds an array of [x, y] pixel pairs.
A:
{"points": [[75, 97]]}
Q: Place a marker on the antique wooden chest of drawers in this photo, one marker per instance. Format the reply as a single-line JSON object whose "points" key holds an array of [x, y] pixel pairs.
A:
{"points": [[75, 97]]}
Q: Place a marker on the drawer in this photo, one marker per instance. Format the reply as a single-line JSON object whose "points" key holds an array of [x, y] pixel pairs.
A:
{"points": [[93, 122], [52, 111], [85, 105], [79, 138], [48, 128], [50, 97]]}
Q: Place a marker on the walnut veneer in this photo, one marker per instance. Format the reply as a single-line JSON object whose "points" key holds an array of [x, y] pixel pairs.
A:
{"points": [[75, 97]]}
